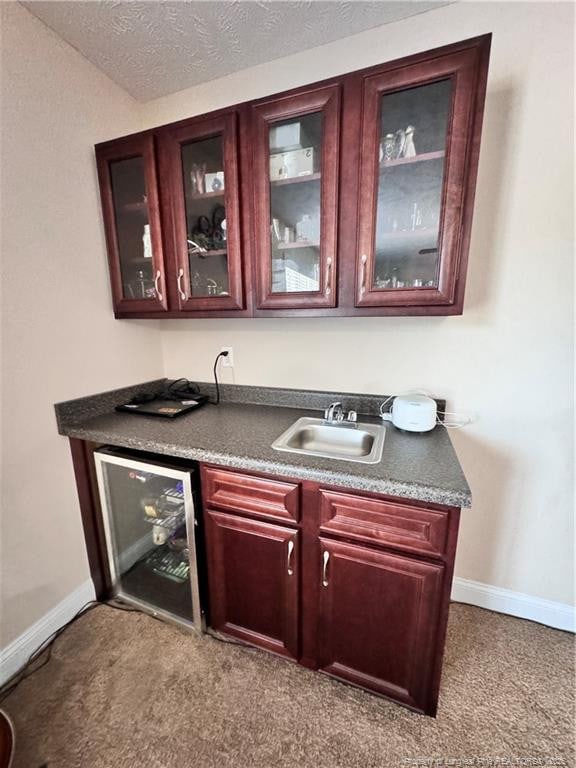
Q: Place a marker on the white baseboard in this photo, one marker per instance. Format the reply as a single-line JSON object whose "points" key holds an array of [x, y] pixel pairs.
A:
{"points": [[557, 615], [15, 655]]}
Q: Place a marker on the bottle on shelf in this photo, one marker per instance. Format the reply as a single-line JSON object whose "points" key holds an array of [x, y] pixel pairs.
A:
{"points": [[147, 242], [409, 148]]}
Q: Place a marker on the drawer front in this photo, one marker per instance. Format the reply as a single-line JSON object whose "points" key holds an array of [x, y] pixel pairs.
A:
{"points": [[256, 496], [412, 529]]}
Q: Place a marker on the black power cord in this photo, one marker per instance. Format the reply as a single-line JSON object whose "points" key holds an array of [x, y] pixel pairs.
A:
{"points": [[29, 668], [181, 389], [224, 353]]}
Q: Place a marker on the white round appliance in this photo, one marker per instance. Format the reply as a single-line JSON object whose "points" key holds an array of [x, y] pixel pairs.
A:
{"points": [[413, 413]]}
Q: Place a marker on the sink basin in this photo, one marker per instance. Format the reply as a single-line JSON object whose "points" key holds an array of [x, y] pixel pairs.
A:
{"points": [[316, 437]]}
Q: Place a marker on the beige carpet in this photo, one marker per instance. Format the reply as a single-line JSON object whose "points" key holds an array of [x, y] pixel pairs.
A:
{"points": [[123, 690]]}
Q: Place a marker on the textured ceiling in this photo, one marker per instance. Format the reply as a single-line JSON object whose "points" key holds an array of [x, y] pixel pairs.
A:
{"points": [[154, 48]]}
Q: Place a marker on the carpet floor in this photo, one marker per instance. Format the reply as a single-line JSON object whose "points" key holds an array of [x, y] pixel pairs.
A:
{"points": [[123, 690]]}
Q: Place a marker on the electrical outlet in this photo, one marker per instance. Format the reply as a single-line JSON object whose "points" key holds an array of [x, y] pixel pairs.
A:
{"points": [[228, 362]]}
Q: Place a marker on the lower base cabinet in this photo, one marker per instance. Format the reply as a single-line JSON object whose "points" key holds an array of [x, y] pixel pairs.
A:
{"points": [[371, 611], [253, 580], [377, 620]]}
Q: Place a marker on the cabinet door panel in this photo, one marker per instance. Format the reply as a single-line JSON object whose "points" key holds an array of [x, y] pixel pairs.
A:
{"points": [[259, 496], [419, 146], [202, 158], [128, 188], [378, 620], [296, 145], [253, 570], [375, 521]]}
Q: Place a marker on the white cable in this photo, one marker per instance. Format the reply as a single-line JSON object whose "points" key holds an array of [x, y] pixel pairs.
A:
{"points": [[461, 419], [386, 415], [464, 421]]}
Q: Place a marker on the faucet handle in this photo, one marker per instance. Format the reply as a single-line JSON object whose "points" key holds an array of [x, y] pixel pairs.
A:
{"points": [[334, 412], [352, 416]]}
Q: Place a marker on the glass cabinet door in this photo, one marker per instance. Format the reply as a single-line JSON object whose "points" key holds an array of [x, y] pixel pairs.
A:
{"points": [[203, 163], [127, 171], [150, 519], [295, 199], [413, 182]]}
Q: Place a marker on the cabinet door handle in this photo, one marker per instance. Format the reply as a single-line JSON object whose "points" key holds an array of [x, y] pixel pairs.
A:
{"points": [[328, 287], [157, 285], [289, 559], [180, 289], [364, 259], [325, 558]]}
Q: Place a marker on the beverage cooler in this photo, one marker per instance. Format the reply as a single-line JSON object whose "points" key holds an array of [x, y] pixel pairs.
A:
{"points": [[150, 513]]}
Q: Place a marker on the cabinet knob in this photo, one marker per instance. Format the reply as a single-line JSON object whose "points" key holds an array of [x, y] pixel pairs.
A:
{"points": [[289, 558], [325, 559], [180, 289], [157, 285]]}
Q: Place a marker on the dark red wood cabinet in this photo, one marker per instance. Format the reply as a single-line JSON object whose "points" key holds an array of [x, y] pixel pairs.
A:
{"points": [[201, 178], [296, 198], [253, 569], [131, 210], [353, 196], [377, 620], [413, 209], [354, 585]]}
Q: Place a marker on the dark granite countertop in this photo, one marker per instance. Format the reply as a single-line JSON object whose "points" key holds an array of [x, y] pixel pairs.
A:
{"points": [[240, 434]]}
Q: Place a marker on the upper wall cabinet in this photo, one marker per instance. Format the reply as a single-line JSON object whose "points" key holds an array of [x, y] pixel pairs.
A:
{"points": [[202, 181], [129, 192], [353, 196], [417, 170], [296, 150]]}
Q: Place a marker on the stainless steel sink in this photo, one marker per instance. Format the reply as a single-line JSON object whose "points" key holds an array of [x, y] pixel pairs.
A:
{"points": [[350, 442]]}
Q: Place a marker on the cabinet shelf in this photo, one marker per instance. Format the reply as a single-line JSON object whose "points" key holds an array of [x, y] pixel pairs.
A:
{"points": [[206, 195], [410, 160], [212, 252], [295, 180], [295, 245], [140, 207], [409, 234], [142, 260]]}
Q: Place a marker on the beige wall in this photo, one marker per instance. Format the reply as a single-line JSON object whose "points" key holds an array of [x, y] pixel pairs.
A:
{"points": [[59, 336], [508, 359]]}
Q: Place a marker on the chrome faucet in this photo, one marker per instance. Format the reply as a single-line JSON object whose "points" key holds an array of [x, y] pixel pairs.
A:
{"points": [[334, 414]]}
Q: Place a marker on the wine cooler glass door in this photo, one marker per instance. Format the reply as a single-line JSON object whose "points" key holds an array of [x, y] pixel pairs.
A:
{"points": [[149, 518]]}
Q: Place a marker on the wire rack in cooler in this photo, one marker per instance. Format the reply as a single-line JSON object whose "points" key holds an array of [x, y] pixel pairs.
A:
{"points": [[172, 565]]}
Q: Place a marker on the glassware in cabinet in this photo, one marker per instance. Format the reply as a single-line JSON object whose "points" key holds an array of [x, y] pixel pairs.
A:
{"points": [[296, 144], [203, 180], [128, 184], [417, 177], [409, 182]]}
